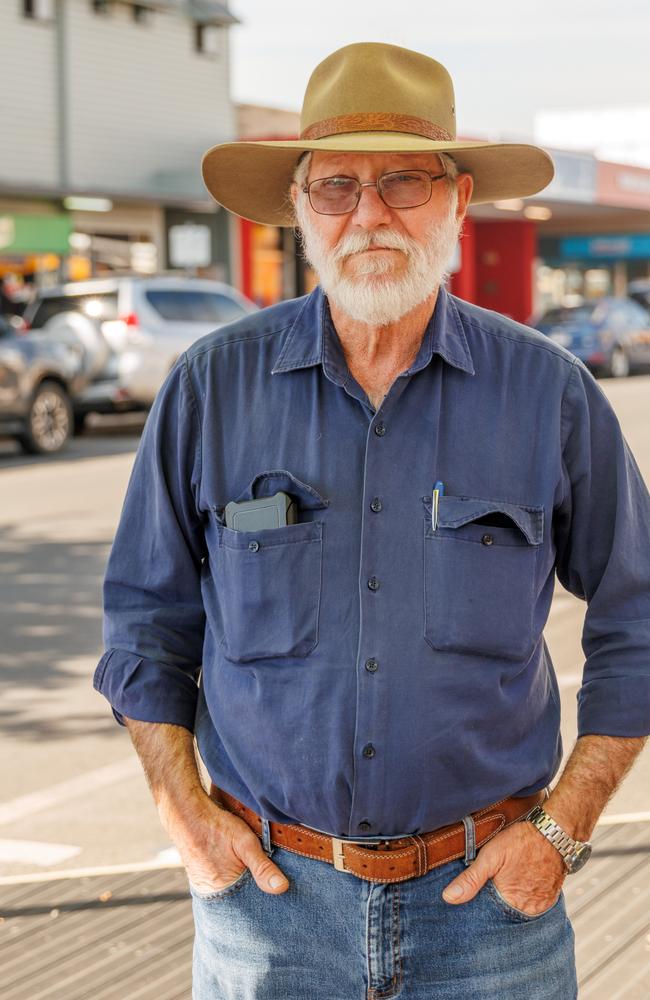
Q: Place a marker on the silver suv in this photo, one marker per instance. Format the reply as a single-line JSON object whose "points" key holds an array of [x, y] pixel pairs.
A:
{"points": [[39, 380], [131, 330]]}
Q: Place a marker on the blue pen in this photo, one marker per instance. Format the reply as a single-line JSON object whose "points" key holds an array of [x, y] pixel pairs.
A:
{"points": [[438, 491]]}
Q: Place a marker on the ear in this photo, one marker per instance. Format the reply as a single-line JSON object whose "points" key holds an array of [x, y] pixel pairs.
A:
{"points": [[293, 191], [465, 186]]}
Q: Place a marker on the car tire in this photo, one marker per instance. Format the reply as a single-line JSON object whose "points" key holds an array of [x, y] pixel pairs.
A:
{"points": [[619, 364], [79, 423], [49, 423]]}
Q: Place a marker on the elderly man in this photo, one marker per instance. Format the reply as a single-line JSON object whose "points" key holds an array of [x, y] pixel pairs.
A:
{"points": [[334, 565]]}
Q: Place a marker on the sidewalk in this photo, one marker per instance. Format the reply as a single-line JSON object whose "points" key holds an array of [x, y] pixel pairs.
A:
{"points": [[129, 935]]}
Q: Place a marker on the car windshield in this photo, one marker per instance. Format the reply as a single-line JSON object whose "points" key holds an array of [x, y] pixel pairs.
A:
{"points": [[569, 314], [194, 306]]}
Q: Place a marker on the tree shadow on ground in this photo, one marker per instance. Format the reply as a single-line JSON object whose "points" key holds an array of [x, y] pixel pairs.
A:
{"points": [[51, 628]]}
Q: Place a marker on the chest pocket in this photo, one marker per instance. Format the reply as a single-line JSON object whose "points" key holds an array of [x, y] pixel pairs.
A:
{"points": [[479, 576], [269, 581]]}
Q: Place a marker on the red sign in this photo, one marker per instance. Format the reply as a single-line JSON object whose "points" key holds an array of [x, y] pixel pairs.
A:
{"points": [[617, 184]]}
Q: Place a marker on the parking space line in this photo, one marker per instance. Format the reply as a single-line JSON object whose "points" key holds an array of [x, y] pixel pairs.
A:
{"points": [[55, 795]]}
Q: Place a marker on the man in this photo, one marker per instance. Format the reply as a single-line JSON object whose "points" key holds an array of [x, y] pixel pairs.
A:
{"points": [[376, 706]]}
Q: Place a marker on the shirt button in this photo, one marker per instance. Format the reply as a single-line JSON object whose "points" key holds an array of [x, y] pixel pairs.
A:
{"points": [[253, 546], [375, 505], [373, 583], [371, 665], [369, 751], [487, 539], [365, 825], [380, 429]]}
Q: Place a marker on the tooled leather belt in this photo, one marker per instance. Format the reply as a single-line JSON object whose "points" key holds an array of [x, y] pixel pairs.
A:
{"points": [[388, 860]]}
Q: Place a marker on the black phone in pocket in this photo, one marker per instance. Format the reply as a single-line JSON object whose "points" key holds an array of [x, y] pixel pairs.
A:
{"points": [[266, 512]]}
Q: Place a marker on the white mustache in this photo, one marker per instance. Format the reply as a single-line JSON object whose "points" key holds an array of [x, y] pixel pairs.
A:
{"points": [[358, 242]]}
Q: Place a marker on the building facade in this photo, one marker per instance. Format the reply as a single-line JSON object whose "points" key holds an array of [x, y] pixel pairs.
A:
{"points": [[107, 108]]}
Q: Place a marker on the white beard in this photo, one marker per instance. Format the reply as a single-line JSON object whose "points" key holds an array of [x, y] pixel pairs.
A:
{"points": [[373, 295]]}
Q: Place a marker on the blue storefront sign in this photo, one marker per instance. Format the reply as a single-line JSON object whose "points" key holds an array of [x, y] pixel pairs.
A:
{"points": [[607, 247]]}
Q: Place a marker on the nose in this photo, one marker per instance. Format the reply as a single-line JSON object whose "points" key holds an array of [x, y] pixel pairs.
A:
{"points": [[371, 210]]}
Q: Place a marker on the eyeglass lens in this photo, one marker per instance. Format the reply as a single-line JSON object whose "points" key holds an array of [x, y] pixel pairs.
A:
{"points": [[398, 189]]}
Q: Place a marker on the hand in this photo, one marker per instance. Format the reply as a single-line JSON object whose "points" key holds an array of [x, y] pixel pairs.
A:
{"points": [[526, 869], [216, 847]]}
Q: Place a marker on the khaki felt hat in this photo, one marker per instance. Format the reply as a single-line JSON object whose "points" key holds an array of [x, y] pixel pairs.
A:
{"points": [[369, 98]]}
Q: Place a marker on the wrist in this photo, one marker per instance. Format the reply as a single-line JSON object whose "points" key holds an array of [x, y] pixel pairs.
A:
{"points": [[177, 808], [573, 821], [573, 852]]}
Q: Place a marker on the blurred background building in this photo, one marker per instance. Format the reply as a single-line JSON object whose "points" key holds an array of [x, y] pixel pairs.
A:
{"points": [[106, 109], [108, 106]]}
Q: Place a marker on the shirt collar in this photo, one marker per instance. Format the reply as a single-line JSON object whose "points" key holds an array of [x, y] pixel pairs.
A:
{"points": [[312, 339]]}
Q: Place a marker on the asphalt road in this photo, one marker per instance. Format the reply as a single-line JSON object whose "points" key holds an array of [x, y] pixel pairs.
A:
{"points": [[72, 794]]}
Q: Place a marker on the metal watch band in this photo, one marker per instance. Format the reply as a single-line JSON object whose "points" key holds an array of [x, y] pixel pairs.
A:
{"points": [[569, 848]]}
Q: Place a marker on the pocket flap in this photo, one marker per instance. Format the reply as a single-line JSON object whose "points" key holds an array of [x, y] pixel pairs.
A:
{"points": [[456, 511], [266, 484]]}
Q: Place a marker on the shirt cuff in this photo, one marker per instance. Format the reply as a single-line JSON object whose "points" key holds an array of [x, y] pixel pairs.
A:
{"points": [[146, 690], [614, 707]]}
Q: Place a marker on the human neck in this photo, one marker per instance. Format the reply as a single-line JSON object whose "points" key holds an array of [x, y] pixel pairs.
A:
{"points": [[383, 349]]}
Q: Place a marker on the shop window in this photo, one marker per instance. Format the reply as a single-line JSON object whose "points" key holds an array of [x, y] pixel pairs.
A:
{"points": [[208, 39], [141, 14], [39, 10]]}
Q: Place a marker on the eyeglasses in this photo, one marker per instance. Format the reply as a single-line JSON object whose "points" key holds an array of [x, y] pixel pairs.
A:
{"points": [[397, 189]]}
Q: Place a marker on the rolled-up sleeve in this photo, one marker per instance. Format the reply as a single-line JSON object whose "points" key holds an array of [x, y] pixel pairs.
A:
{"points": [[154, 619], [602, 537]]}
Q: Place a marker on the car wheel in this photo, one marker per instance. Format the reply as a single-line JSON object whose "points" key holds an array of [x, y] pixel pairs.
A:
{"points": [[619, 363], [49, 421]]}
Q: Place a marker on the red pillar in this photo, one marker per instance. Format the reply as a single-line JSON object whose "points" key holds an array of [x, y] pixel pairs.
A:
{"points": [[463, 282], [505, 253], [246, 257]]}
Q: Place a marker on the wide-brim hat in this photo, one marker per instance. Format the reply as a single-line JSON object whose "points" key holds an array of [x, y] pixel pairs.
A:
{"points": [[369, 98]]}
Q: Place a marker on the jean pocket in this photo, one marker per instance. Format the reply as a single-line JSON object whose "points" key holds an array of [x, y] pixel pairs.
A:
{"points": [[479, 576], [226, 890], [511, 911]]}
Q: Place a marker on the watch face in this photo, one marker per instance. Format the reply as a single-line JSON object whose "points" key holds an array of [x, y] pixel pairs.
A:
{"points": [[579, 858]]}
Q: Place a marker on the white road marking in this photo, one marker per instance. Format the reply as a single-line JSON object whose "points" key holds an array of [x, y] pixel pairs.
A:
{"points": [[34, 852], [169, 856], [27, 805], [640, 817], [570, 680]]}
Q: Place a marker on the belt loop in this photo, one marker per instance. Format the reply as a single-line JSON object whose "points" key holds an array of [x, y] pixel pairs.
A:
{"points": [[470, 839], [266, 836]]}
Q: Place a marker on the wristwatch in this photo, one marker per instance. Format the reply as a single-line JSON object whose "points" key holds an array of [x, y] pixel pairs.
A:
{"points": [[575, 853]]}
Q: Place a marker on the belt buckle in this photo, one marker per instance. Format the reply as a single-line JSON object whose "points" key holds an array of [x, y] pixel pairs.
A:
{"points": [[337, 853], [337, 850]]}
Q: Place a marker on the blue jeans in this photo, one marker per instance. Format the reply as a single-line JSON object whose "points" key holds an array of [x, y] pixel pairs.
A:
{"points": [[333, 936]]}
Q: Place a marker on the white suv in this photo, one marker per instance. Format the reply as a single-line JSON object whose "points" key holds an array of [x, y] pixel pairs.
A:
{"points": [[132, 329]]}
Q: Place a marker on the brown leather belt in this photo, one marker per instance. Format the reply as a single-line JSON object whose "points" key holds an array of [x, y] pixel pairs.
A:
{"points": [[388, 860]]}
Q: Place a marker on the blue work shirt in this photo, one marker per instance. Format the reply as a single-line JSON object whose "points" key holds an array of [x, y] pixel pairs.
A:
{"points": [[358, 671]]}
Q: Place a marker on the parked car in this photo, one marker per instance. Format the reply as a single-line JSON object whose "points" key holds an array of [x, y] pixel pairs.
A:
{"points": [[611, 335], [132, 329], [639, 290], [39, 378]]}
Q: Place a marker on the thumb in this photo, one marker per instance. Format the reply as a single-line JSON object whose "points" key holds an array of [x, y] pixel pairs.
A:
{"points": [[267, 875], [467, 884]]}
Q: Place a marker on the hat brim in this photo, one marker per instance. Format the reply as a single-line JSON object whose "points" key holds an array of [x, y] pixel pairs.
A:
{"points": [[252, 179]]}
